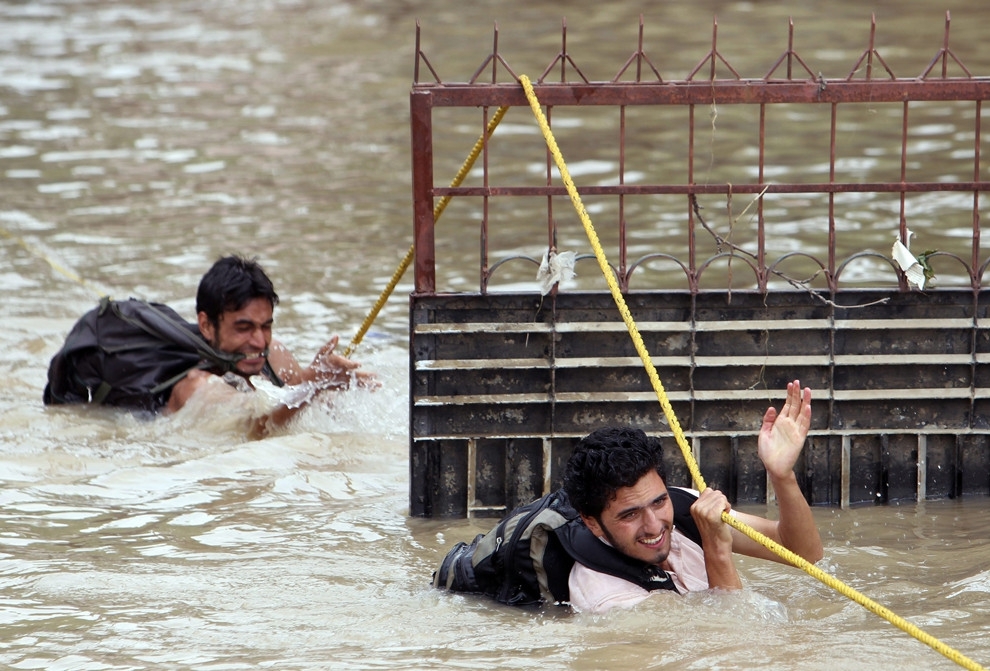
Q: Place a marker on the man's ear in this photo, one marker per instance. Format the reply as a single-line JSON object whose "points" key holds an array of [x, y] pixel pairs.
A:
{"points": [[592, 525], [205, 327]]}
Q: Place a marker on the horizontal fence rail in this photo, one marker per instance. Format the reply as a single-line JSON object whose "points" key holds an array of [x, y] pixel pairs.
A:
{"points": [[503, 382]]}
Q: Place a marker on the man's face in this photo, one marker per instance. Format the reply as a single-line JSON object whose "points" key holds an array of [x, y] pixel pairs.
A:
{"points": [[247, 331], [638, 521]]}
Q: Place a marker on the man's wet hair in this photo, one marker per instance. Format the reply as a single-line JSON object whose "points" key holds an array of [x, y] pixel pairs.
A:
{"points": [[230, 284], [606, 460]]}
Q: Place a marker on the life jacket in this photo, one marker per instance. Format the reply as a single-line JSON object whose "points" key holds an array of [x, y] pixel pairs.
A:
{"points": [[130, 354], [527, 558]]}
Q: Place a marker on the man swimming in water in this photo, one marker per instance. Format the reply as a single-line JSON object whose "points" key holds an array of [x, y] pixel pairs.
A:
{"points": [[235, 304], [617, 482]]}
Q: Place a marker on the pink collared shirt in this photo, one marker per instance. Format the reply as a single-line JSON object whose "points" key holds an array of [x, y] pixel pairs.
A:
{"points": [[594, 592]]}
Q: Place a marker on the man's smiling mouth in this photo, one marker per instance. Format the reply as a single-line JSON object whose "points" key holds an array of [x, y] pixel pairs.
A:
{"points": [[653, 541]]}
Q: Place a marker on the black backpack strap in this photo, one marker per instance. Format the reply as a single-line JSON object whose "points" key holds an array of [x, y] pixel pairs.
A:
{"points": [[557, 563], [585, 548], [102, 391], [272, 376], [169, 383], [683, 499]]}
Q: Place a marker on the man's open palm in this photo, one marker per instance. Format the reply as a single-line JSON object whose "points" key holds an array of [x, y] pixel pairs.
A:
{"points": [[783, 434]]}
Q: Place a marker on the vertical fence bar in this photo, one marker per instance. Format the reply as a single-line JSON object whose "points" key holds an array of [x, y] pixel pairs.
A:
{"points": [[421, 120], [623, 278], [975, 259], [691, 224], [761, 242], [551, 224], [832, 280], [484, 202], [903, 194]]}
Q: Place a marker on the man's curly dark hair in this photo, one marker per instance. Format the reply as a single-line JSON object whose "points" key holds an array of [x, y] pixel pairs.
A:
{"points": [[605, 461]]}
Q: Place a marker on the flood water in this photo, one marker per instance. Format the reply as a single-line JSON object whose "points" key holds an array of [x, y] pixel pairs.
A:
{"points": [[140, 140]]}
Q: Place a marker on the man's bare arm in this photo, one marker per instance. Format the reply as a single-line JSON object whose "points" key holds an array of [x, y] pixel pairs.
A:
{"points": [[184, 389], [197, 380], [716, 538], [782, 436], [328, 371]]}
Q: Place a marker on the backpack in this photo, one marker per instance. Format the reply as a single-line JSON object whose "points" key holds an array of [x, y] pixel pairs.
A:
{"points": [[129, 354], [527, 558]]}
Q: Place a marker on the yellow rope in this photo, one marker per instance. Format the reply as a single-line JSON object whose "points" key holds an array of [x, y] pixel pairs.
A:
{"points": [[692, 465], [437, 211], [51, 262]]}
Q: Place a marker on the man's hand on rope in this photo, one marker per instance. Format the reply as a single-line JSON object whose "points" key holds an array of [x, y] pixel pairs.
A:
{"points": [[330, 370]]}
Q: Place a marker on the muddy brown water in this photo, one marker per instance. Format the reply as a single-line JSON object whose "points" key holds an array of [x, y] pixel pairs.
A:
{"points": [[139, 141]]}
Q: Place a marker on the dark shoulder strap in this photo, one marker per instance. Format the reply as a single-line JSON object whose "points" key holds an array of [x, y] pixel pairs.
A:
{"points": [[582, 545], [272, 376], [683, 499]]}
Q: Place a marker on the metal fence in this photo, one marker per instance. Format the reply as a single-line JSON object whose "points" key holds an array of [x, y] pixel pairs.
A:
{"points": [[504, 382]]}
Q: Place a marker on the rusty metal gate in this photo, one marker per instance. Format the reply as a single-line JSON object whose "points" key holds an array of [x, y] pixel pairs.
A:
{"points": [[503, 382]]}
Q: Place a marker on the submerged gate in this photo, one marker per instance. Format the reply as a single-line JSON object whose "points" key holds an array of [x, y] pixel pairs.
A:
{"points": [[740, 272]]}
